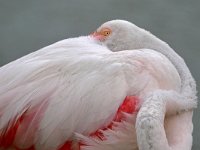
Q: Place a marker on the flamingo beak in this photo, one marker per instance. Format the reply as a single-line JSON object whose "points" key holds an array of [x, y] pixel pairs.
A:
{"points": [[98, 36]]}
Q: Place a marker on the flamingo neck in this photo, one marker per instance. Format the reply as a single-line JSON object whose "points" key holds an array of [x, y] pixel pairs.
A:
{"points": [[187, 81], [141, 39]]}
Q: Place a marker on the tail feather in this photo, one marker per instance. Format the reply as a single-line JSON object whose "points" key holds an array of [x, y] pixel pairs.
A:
{"points": [[28, 127]]}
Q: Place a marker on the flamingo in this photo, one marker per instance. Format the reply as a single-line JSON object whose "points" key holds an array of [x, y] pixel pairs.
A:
{"points": [[54, 97], [119, 35]]}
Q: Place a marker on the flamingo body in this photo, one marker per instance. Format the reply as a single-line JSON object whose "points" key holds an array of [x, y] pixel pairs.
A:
{"points": [[90, 93], [74, 86]]}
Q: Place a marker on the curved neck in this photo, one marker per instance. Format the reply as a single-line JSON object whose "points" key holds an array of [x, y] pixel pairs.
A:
{"points": [[188, 85]]}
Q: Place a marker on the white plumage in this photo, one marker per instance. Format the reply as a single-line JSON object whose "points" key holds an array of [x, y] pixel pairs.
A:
{"points": [[75, 86], [152, 133]]}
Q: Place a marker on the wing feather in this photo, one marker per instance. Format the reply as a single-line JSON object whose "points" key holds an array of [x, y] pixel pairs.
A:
{"points": [[59, 90]]}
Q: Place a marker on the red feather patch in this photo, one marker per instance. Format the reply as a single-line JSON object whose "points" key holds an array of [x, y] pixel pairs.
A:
{"points": [[8, 136]]}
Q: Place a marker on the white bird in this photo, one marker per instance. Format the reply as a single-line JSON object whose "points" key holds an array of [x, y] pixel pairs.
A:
{"points": [[76, 86], [119, 35]]}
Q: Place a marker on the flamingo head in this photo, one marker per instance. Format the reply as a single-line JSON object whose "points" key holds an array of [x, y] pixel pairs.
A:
{"points": [[120, 35]]}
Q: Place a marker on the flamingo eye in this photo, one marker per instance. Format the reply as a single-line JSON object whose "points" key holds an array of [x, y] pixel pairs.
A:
{"points": [[106, 32]]}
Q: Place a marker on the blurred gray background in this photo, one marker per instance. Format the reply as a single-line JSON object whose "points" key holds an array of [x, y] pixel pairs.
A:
{"points": [[27, 25]]}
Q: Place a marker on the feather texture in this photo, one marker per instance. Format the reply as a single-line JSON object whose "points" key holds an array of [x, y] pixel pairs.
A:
{"points": [[76, 86]]}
